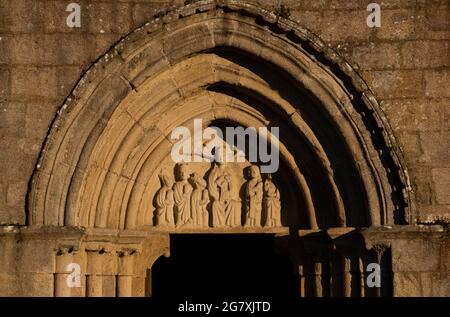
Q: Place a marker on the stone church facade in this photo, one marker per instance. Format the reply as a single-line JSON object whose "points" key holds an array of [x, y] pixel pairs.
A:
{"points": [[86, 116]]}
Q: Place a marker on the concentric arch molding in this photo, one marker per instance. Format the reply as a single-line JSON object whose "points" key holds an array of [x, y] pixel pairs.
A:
{"points": [[222, 61]]}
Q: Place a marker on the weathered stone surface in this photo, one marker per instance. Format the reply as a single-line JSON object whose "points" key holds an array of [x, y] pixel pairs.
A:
{"points": [[402, 261], [38, 119], [425, 54], [15, 193], [434, 213], [437, 16], [34, 83], [36, 256], [19, 16], [309, 19], [4, 82], [377, 56], [12, 116], [441, 180], [417, 114], [433, 152], [9, 251], [100, 263], [435, 284], [405, 63], [36, 284], [398, 25], [9, 284], [104, 17], [437, 83], [344, 26], [407, 284], [395, 84]]}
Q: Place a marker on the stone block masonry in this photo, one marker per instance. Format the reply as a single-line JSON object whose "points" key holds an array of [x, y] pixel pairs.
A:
{"points": [[405, 64], [41, 59]]}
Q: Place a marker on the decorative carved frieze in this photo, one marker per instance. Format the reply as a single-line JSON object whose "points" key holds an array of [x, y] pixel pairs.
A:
{"points": [[196, 201]]}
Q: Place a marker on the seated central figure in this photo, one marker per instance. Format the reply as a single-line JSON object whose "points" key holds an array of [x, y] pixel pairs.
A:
{"points": [[226, 211]]}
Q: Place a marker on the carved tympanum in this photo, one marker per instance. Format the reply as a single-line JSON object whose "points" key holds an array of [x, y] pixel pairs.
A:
{"points": [[195, 202]]}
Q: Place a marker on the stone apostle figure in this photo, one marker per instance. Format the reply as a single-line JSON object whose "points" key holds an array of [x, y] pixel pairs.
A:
{"points": [[225, 209], [199, 201], [164, 201], [253, 198], [272, 204], [182, 195]]}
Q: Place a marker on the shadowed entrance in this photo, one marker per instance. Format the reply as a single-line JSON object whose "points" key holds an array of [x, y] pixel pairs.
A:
{"points": [[235, 265]]}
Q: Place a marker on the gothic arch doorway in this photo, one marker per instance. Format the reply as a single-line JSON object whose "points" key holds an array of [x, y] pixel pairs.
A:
{"points": [[221, 62]]}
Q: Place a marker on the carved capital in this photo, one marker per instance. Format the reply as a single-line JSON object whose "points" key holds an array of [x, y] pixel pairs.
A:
{"points": [[380, 248], [121, 252], [66, 249]]}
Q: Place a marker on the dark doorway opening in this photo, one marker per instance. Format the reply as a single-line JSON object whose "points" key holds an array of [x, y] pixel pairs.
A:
{"points": [[224, 265]]}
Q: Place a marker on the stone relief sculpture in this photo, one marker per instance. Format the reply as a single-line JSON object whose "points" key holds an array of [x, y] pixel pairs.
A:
{"points": [[195, 202], [226, 210], [199, 201], [164, 201], [272, 203], [253, 198], [182, 190]]}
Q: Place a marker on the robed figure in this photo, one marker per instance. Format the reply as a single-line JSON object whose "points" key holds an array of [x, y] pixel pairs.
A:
{"points": [[253, 198], [272, 204], [225, 209], [164, 201], [199, 201], [182, 196]]}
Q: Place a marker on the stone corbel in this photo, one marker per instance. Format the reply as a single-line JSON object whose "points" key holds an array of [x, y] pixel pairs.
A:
{"points": [[122, 252], [67, 249]]}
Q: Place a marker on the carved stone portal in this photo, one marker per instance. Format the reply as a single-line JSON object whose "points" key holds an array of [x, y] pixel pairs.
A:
{"points": [[193, 202]]}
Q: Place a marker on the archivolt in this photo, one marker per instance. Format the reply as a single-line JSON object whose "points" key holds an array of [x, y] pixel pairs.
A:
{"points": [[218, 61]]}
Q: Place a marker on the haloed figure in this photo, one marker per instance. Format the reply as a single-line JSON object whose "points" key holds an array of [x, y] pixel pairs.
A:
{"points": [[164, 201], [272, 204], [199, 201]]}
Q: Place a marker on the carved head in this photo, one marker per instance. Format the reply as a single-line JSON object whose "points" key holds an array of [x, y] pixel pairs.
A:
{"points": [[165, 178], [254, 172], [197, 181], [182, 171]]}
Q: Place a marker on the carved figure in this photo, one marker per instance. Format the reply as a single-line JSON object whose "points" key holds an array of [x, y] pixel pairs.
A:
{"points": [[253, 198], [225, 209], [182, 195], [164, 201], [272, 203], [199, 201]]}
